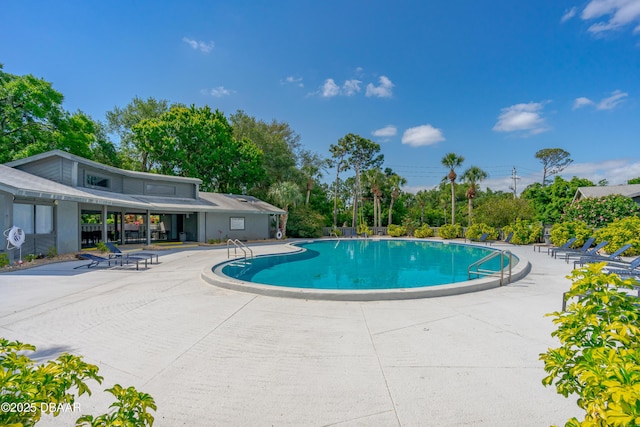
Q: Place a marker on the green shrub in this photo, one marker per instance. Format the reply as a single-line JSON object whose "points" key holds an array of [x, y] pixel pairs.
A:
{"points": [[600, 349], [524, 232], [621, 232], [450, 231], [52, 252], [600, 211], [363, 228], [410, 225], [336, 231], [561, 232], [51, 387], [102, 247], [30, 257], [304, 222], [474, 231], [396, 230], [423, 231], [4, 260]]}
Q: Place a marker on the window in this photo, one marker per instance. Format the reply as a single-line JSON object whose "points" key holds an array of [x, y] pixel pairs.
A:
{"points": [[23, 217], [33, 219], [236, 223], [97, 181], [160, 190]]}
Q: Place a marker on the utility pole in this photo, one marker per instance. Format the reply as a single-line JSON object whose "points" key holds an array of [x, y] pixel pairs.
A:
{"points": [[515, 178]]}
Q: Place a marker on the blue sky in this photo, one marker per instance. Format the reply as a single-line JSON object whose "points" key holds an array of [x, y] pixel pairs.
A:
{"points": [[494, 81]]}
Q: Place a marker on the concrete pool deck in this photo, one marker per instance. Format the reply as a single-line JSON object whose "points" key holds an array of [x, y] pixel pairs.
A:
{"points": [[216, 357]]}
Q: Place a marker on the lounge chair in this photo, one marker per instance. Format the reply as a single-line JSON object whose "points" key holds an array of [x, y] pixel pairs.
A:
{"points": [[590, 253], [95, 260], [624, 269], [554, 252], [615, 256], [482, 239], [117, 253], [568, 244]]}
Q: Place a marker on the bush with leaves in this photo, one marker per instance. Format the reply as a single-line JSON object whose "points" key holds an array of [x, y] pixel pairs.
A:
{"points": [[394, 230], [599, 211], [561, 232], [621, 232], [29, 389], [363, 229], [524, 232], [599, 356], [4, 260], [304, 222], [475, 231], [410, 225], [423, 231], [450, 231]]}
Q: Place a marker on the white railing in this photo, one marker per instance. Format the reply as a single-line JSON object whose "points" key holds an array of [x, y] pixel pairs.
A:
{"points": [[483, 272], [237, 244]]}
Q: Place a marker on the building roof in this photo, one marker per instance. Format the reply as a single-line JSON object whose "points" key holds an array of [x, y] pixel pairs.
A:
{"points": [[630, 190], [96, 165], [23, 184]]}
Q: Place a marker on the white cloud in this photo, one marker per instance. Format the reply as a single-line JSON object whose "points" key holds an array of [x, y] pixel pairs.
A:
{"points": [[329, 89], [616, 13], [612, 101], [582, 102], [202, 46], [525, 118], [351, 87], [422, 135], [294, 81], [385, 132], [569, 14], [218, 92], [384, 90], [609, 103]]}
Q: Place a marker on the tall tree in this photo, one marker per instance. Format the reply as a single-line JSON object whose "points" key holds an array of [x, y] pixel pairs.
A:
{"points": [[121, 121], [422, 198], [452, 161], [30, 112], [198, 142], [338, 160], [375, 180], [277, 140], [312, 166], [395, 182], [363, 154], [284, 194], [554, 160], [473, 176]]}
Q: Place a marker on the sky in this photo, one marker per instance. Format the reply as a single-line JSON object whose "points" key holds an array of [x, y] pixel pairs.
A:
{"points": [[492, 81]]}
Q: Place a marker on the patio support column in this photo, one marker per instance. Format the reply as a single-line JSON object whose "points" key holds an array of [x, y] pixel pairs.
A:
{"points": [[148, 227], [104, 223], [121, 233]]}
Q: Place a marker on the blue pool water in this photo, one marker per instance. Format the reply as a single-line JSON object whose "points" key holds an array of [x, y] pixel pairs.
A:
{"points": [[364, 264]]}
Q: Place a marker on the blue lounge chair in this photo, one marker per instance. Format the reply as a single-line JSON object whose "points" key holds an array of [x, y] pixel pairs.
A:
{"points": [[615, 256], [95, 260], [590, 252], [117, 253], [568, 244], [583, 250], [624, 269]]}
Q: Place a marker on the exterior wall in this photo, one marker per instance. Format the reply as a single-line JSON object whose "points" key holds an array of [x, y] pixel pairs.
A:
{"points": [[115, 180], [217, 226], [50, 168], [6, 217], [67, 220]]}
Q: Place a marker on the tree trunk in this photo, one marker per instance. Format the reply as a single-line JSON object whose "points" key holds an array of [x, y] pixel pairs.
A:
{"points": [[453, 203], [335, 198], [470, 208], [309, 187]]}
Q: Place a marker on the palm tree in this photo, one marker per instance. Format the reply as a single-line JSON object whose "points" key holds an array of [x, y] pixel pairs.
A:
{"points": [[473, 176], [284, 194], [422, 198], [395, 181], [452, 161], [375, 179], [312, 166]]}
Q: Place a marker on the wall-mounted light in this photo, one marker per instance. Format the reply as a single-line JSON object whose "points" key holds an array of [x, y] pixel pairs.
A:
{"points": [[55, 203]]}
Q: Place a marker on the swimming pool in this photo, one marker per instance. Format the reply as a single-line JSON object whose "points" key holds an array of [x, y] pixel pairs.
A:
{"points": [[363, 265]]}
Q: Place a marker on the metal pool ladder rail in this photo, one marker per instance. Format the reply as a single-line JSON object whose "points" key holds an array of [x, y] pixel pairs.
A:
{"points": [[482, 272], [237, 244]]}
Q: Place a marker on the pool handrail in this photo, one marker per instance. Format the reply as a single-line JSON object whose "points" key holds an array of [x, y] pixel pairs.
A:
{"points": [[503, 253], [238, 245]]}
